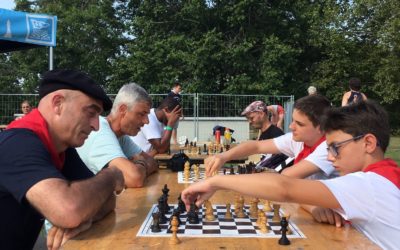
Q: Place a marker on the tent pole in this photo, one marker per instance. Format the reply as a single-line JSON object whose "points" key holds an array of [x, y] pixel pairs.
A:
{"points": [[51, 58]]}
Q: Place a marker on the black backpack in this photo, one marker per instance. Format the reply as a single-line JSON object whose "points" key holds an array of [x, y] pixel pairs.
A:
{"points": [[177, 162]]}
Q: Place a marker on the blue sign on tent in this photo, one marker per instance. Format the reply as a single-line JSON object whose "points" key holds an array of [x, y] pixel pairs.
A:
{"points": [[28, 27]]}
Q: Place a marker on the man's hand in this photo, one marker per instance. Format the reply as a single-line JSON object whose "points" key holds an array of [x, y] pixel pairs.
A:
{"points": [[326, 215], [173, 116], [213, 163], [199, 192], [59, 236]]}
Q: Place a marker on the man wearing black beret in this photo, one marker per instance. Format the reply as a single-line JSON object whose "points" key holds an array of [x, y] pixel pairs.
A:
{"points": [[41, 174]]}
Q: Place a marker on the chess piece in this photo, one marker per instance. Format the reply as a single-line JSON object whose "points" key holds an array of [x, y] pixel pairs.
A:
{"points": [[174, 228], [228, 214], [289, 231], [199, 151], [186, 171], [240, 206], [254, 208], [209, 211], [155, 227], [267, 206], [176, 214], [259, 216], [165, 192], [205, 149], [192, 215], [276, 217], [232, 171], [196, 171], [284, 240], [162, 210], [181, 205], [263, 224]]}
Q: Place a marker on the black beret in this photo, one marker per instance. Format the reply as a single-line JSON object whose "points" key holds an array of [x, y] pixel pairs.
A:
{"points": [[74, 80]]}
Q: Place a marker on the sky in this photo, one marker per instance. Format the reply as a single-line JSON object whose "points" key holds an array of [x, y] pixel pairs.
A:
{"points": [[7, 4]]}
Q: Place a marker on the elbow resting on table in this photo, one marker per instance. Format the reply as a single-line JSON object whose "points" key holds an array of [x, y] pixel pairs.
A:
{"points": [[134, 180], [68, 216]]}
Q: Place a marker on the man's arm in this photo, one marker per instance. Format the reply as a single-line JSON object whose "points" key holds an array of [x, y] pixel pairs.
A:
{"points": [[134, 174], [161, 145], [345, 98], [68, 204], [244, 149], [149, 162], [265, 186], [301, 170]]}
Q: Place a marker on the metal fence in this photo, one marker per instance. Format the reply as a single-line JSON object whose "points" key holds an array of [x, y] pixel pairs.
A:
{"points": [[197, 108]]}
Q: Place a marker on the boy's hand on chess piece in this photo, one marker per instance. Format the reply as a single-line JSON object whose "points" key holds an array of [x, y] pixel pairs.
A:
{"points": [[199, 193], [326, 215], [214, 163]]}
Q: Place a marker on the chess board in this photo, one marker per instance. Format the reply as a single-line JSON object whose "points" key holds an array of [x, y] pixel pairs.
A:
{"points": [[221, 227], [192, 177]]}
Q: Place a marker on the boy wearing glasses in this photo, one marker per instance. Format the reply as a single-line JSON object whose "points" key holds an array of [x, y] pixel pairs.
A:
{"points": [[357, 137]]}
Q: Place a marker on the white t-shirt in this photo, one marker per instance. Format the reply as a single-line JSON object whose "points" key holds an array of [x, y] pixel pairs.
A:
{"points": [[319, 157], [372, 204], [102, 146], [153, 130]]}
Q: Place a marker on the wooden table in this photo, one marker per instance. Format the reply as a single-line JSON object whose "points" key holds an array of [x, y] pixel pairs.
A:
{"points": [[118, 230]]}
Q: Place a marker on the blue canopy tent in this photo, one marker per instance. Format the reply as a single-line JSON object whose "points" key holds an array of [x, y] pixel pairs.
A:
{"points": [[21, 30]]}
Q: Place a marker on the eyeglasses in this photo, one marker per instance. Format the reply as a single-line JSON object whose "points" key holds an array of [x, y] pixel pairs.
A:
{"points": [[334, 147]]}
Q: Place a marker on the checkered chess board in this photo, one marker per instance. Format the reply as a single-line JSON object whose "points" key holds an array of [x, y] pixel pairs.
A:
{"points": [[221, 227]]}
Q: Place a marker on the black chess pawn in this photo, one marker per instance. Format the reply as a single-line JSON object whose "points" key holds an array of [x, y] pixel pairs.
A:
{"points": [[192, 215], [224, 171], [194, 144], [284, 240], [204, 148], [155, 227], [232, 171], [186, 142], [181, 205]]}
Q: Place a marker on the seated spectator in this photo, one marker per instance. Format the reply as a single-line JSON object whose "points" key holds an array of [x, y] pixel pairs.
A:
{"points": [[25, 109], [42, 176], [111, 145], [354, 95], [154, 138]]}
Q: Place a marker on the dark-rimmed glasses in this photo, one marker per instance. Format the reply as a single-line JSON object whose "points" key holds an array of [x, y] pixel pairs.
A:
{"points": [[334, 147]]}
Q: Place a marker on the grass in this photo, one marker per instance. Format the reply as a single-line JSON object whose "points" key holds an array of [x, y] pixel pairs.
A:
{"points": [[393, 151]]}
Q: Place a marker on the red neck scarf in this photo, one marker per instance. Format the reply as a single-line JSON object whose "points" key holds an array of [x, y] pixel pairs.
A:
{"points": [[386, 168], [34, 121], [308, 150]]}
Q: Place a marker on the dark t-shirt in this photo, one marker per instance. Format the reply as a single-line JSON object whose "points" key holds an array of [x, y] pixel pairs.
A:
{"points": [[25, 161], [271, 132], [176, 96], [355, 97]]}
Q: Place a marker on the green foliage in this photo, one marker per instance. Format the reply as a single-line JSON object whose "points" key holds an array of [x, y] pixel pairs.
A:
{"points": [[215, 46]]}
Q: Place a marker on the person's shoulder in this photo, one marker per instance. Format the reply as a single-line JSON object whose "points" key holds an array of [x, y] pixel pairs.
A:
{"points": [[17, 134]]}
